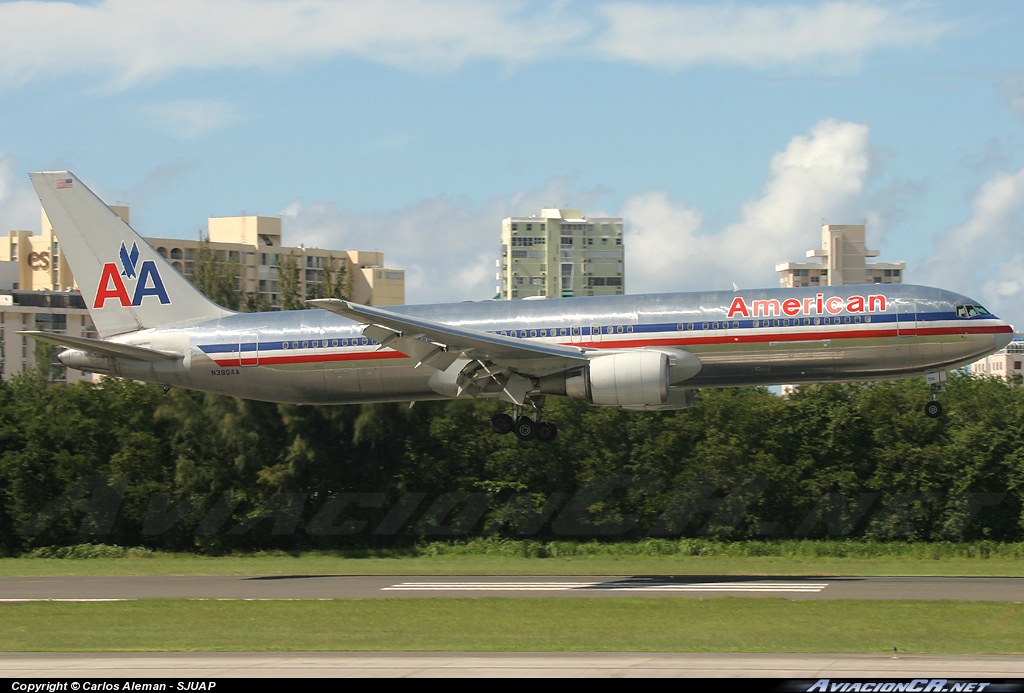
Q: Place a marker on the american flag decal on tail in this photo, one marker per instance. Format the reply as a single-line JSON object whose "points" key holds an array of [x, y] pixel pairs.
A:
{"points": [[64, 183]]}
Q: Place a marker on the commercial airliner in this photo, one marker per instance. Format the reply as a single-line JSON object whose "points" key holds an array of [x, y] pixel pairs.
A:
{"points": [[645, 352]]}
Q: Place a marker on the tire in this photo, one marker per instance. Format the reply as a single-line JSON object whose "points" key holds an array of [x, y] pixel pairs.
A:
{"points": [[546, 432], [933, 410], [502, 424], [525, 429]]}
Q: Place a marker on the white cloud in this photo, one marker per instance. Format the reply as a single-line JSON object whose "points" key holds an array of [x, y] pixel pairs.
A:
{"points": [[190, 118], [446, 247], [822, 174], [984, 257], [1012, 88], [125, 42], [19, 206], [834, 34], [130, 41]]}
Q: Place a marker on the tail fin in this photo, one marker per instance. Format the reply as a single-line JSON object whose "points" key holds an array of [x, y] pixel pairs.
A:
{"points": [[126, 284]]}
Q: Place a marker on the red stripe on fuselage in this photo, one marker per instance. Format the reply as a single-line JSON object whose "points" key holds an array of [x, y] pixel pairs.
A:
{"points": [[748, 338]]}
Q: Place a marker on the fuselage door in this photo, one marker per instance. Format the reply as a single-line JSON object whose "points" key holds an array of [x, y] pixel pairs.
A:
{"points": [[248, 349], [906, 318]]}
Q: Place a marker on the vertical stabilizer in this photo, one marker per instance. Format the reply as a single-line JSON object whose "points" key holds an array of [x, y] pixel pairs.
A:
{"points": [[126, 285]]}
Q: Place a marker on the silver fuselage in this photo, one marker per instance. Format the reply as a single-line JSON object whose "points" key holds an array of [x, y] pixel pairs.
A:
{"points": [[317, 357]]}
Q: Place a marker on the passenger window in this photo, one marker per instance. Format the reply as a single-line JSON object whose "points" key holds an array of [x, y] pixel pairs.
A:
{"points": [[629, 328], [689, 325], [295, 345], [284, 345], [867, 318], [608, 330], [619, 329], [736, 325], [856, 318], [817, 321], [334, 342], [704, 326], [575, 330], [305, 344], [533, 333]]}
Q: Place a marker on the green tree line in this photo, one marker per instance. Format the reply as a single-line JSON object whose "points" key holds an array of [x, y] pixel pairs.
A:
{"points": [[126, 463]]}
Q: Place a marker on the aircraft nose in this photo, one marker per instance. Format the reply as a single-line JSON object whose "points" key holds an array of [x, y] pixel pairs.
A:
{"points": [[1002, 339]]}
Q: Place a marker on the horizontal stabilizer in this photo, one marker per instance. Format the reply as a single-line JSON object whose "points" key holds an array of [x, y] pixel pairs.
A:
{"points": [[102, 347]]}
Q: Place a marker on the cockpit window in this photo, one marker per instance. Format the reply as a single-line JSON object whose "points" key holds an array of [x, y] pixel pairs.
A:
{"points": [[970, 311]]}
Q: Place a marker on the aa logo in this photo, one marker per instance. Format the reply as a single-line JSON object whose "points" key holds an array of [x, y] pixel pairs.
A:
{"points": [[147, 280]]}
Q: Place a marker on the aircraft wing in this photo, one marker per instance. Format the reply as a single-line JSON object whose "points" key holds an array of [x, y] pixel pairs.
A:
{"points": [[439, 345], [102, 347]]}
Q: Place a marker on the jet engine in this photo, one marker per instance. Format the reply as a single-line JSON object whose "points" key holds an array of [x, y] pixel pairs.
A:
{"points": [[631, 378]]}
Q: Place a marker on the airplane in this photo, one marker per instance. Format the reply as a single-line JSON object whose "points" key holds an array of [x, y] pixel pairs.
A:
{"points": [[637, 352]]}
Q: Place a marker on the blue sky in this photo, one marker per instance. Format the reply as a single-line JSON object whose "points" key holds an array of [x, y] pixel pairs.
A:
{"points": [[723, 133]]}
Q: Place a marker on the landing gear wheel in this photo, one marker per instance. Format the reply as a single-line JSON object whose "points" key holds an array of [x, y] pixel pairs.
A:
{"points": [[546, 432], [525, 429], [933, 409], [502, 423]]}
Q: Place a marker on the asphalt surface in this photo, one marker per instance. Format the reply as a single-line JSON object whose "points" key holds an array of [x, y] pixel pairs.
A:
{"points": [[15, 589], [177, 666]]}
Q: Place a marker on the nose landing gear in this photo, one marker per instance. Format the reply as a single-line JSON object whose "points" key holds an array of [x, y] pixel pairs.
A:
{"points": [[933, 409], [525, 427]]}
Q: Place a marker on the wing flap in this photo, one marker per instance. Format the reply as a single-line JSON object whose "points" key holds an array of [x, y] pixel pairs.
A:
{"points": [[439, 345]]}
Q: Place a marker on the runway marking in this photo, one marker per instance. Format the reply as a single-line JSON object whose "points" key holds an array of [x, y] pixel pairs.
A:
{"points": [[18, 601], [608, 586]]}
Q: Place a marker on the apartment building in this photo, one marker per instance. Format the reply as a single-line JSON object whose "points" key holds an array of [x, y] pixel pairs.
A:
{"points": [[560, 253], [252, 243], [841, 260]]}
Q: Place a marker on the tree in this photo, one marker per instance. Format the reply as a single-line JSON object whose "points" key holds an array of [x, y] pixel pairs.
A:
{"points": [[334, 283], [254, 303], [288, 279], [215, 277]]}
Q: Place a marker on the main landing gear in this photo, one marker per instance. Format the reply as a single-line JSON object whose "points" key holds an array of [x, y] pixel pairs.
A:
{"points": [[933, 409], [525, 427]]}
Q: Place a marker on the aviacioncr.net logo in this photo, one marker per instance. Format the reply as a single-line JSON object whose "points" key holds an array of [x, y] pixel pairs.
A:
{"points": [[146, 278]]}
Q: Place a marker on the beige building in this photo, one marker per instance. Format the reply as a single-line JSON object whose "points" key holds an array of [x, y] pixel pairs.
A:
{"points": [[253, 242], [560, 253], [54, 311], [841, 260], [1006, 363]]}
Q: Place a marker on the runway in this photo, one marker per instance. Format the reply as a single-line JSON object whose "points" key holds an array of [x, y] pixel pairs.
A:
{"points": [[20, 589], [177, 666]]}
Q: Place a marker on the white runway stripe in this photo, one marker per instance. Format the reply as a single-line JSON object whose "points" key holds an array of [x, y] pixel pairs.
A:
{"points": [[18, 601], [610, 586]]}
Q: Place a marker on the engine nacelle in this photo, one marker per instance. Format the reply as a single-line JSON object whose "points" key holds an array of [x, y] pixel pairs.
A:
{"points": [[634, 378]]}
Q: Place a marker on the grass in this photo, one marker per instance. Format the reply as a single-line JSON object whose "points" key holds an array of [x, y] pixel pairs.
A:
{"points": [[497, 557], [523, 625]]}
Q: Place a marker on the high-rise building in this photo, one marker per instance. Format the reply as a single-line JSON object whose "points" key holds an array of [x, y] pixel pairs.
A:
{"points": [[842, 259], [253, 243], [560, 253]]}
